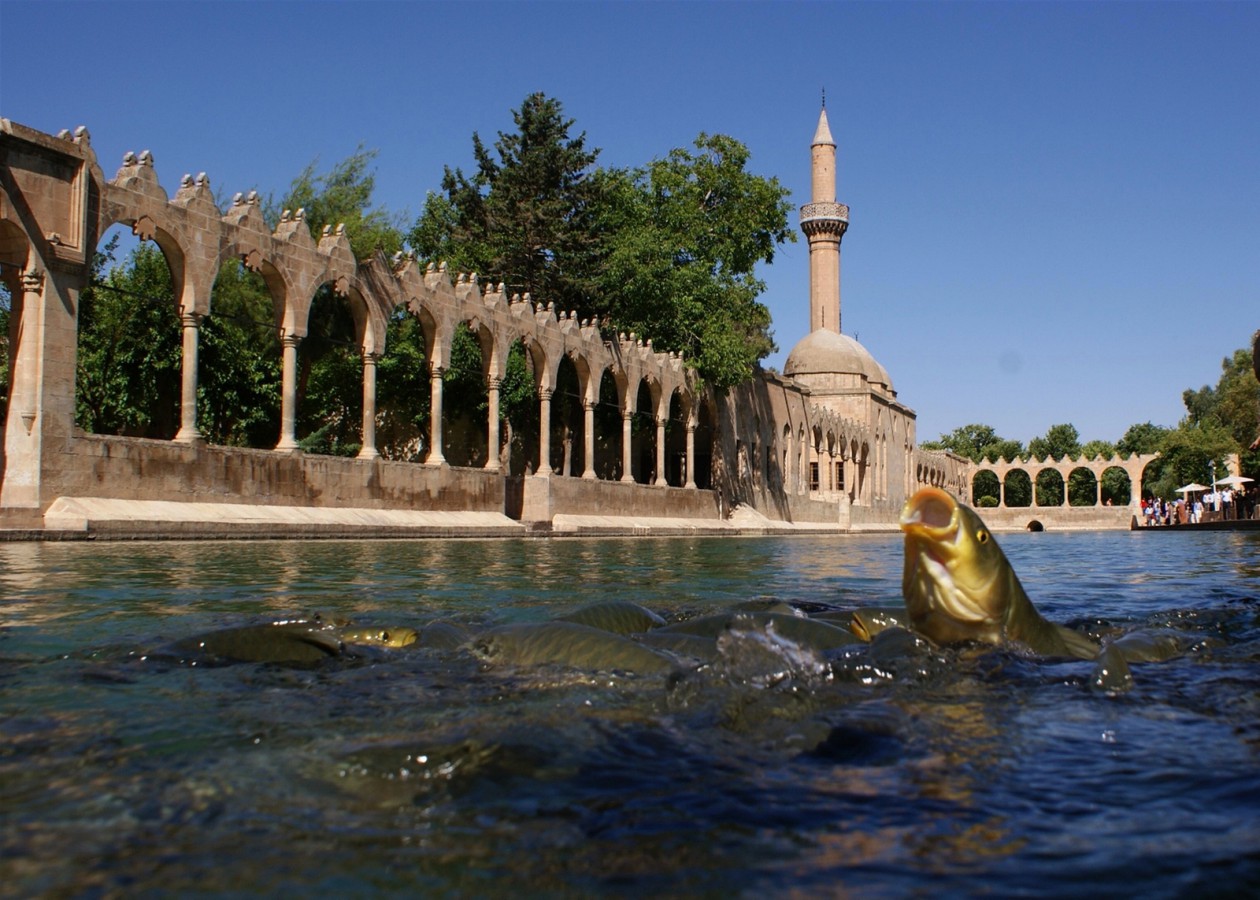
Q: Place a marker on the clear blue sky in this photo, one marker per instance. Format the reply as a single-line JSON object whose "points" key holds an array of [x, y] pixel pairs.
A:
{"points": [[1055, 207]]}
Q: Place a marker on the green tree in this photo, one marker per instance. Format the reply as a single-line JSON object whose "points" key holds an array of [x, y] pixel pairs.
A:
{"points": [[686, 234], [239, 358], [1058, 442], [1231, 404], [330, 371], [977, 443], [526, 215], [667, 251], [1141, 438], [129, 354], [343, 196]]}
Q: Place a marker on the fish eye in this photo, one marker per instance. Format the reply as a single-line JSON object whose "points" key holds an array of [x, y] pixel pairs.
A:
{"points": [[982, 537]]}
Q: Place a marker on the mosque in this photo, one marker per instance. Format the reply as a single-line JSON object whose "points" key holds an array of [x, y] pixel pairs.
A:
{"points": [[841, 374], [826, 445]]}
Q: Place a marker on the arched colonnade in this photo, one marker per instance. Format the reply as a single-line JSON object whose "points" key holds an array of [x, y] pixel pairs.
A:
{"points": [[196, 238]]}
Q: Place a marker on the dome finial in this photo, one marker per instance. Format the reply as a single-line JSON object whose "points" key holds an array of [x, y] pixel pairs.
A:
{"points": [[824, 93]]}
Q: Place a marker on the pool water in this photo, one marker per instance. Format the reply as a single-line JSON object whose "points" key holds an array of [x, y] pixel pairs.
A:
{"points": [[892, 769]]}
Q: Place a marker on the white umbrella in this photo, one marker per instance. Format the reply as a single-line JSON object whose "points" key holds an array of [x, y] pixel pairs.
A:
{"points": [[1234, 480], [1192, 486]]}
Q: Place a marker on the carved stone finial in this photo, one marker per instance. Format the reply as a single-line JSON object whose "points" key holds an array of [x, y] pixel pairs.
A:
{"points": [[146, 158], [327, 230], [129, 158], [341, 228], [300, 215], [238, 198], [81, 135], [285, 216], [186, 181], [203, 179]]}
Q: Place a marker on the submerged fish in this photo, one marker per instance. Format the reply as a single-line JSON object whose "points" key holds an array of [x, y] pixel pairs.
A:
{"points": [[959, 586]]}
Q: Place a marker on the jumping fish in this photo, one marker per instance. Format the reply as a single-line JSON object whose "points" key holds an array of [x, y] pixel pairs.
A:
{"points": [[959, 586]]}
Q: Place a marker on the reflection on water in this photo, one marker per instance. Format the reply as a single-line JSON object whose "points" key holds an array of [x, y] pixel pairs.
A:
{"points": [[884, 770]]}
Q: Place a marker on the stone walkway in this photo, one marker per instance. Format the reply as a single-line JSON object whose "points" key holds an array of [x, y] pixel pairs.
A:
{"points": [[87, 518]]}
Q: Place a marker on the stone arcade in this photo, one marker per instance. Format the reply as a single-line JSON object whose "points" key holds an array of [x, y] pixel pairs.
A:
{"points": [[829, 447]]}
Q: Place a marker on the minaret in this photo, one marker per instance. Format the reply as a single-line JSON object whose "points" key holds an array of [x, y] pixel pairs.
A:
{"points": [[824, 222]]}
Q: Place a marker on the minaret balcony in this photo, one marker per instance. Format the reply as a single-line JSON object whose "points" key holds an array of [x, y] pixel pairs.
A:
{"points": [[824, 218]]}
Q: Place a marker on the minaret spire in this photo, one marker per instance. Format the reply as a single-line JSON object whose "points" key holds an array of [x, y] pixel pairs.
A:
{"points": [[824, 222]]}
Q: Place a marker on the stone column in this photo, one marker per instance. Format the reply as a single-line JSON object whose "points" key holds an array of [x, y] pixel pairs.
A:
{"points": [[435, 418], [660, 453], [627, 473], [544, 431], [1002, 492], [188, 432], [1065, 490], [492, 430], [691, 455], [24, 370], [588, 436], [288, 391], [368, 450]]}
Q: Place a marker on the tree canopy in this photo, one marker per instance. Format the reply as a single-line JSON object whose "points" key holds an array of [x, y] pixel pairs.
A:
{"points": [[667, 251]]}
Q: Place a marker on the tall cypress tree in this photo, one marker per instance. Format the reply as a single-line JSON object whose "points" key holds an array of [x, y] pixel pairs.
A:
{"points": [[526, 215]]}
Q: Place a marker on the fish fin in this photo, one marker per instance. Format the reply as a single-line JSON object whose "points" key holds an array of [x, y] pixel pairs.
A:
{"points": [[1077, 644]]}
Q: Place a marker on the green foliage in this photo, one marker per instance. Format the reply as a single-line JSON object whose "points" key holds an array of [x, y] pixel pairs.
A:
{"points": [[239, 357], [977, 443], [330, 380], [1059, 441], [343, 195], [1141, 438], [524, 217], [129, 355], [402, 391], [985, 490], [688, 232], [667, 251], [1232, 403]]}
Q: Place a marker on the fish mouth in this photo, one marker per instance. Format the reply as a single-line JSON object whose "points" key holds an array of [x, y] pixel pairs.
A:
{"points": [[933, 530], [931, 513]]}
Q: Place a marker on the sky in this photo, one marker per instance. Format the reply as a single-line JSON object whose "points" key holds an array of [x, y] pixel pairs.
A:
{"points": [[1053, 205]]}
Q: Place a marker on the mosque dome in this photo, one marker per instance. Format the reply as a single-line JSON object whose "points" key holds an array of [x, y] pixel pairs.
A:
{"points": [[827, 352]]}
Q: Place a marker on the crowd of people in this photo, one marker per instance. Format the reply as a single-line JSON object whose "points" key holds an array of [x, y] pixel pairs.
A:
{"points": [[1211, 506]]}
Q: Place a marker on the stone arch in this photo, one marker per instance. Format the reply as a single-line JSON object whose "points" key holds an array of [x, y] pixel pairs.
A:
{"points": [[986, 489], [1049, 487], [1017, 488], [129, 313], [329, 386], [1083, 487], [643, 432], [608, 427], [15, 252], [677, 414], [1116, 486], [568, 420], [705, 438], [465, 396]]}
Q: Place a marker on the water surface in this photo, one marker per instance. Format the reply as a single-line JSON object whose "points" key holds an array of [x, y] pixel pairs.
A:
{"points": [[124, 772]]}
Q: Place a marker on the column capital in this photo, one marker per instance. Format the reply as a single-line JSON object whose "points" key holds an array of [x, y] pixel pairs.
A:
{"points": [[32, 280]]}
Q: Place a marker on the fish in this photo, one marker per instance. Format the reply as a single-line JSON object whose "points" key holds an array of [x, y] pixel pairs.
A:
{"points": [[395, 636], [959, 586]]}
